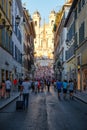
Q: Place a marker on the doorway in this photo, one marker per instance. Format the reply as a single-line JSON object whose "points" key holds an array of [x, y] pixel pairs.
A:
{"points": [[79, 80]]}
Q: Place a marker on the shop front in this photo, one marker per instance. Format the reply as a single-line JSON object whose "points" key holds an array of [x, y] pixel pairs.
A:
{"points": [[81, 58], [84, 77]]}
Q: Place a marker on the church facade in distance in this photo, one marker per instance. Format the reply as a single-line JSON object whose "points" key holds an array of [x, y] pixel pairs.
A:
{"points": [[44, 45]]}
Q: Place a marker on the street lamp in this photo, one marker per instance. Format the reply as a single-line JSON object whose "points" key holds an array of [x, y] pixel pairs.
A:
{"points": [[17, 19], [3, 25], [68, 43]]}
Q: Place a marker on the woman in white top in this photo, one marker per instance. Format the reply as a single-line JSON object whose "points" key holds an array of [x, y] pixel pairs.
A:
{"points": [[8, 87]]}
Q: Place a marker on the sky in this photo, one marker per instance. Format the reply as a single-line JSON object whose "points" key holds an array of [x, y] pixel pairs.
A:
{"points": [[43, 6]]}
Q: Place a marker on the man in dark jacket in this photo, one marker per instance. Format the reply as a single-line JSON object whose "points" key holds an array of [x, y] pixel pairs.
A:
{"points": [[48, 85]]}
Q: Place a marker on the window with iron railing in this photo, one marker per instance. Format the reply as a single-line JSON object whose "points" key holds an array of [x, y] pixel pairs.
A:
{"points": [[71, 32], [70, 52]]}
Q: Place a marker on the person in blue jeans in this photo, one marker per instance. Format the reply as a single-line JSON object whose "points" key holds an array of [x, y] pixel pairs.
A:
{"points": [[59, 86], [25, 92]]}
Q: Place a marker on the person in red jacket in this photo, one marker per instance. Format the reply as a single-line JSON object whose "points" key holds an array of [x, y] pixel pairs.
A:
{"points": [[39, 84], [15, 82]]}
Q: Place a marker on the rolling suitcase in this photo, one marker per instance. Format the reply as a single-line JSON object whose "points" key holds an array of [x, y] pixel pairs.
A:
{"points": [[19, 104]]}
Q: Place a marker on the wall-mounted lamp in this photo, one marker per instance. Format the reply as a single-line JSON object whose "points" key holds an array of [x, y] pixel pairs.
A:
{"points": [[3, 25], [68, 43], [6, 63]]}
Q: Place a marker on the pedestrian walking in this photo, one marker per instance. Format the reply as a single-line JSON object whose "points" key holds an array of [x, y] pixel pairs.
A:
{"points": [[59, 86], [33, 85], [3, 89], [42, 85], [15, 83], [36, 86], [71, 88], [65, 86], [54, 84], [8, 87], [26, 86], [48, 85], [19, 84], [39, 85]]}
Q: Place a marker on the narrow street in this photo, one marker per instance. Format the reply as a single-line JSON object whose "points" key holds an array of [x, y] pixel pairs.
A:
{"points": [[43, 43], [45, 112]]}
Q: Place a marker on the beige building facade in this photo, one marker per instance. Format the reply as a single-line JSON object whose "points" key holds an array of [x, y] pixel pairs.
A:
{"points": [[28, 45], [81, 40], [60, 47], [77, 40]]}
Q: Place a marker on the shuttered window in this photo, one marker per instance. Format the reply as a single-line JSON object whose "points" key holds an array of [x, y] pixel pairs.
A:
{"points": [[7, 41], [81, 33], [83, 2], [7, 8], [75, 43], [16, 29], [3, 34], [12, 48], [71, 32], [75, 14], [19, 36], [79, 6], [15, 52]]}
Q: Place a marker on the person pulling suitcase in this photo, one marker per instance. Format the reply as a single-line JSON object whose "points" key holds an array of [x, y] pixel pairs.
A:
{"points": [[25, 92]]}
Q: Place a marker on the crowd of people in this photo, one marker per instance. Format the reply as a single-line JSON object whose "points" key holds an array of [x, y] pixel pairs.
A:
{"points": [[65, 86], [36, 86], [39, 85], [23, 86], [5, 88]]}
